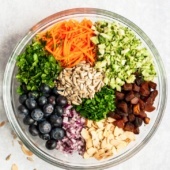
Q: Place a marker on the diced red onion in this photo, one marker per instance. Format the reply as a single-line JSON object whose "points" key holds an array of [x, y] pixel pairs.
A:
{"points": [[73, 124]]}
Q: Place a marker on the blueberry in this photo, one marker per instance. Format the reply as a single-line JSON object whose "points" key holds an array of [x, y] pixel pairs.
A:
{"points": [[44, 127], [37, 114], [23, 110], [22, 98], [31, 103], [57, 133], [56, 121], [44, 136], [62, 101], [59, 110], [48, 109], [24, 87], [45, 89], [52, 100], [42, 100], [51, 144], [33, 94], [28, 120], [55, 91], [33, 130], [41, 120]]}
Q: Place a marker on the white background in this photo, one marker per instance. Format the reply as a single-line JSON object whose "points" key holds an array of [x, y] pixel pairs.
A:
{"points": [[152, 16]]}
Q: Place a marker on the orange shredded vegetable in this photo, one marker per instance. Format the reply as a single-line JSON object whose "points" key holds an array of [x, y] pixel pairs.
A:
{"points": [[69, 42]]}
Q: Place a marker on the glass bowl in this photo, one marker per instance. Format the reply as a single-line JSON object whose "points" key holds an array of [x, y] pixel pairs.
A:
{"points": [[75, 161]]}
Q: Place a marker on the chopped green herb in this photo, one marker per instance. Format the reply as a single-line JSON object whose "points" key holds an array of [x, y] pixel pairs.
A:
{"points": [[98, 107], [36, 66]]}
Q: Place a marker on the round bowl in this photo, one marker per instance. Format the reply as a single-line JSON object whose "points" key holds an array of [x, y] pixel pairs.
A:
{"points": [[75, 161]]}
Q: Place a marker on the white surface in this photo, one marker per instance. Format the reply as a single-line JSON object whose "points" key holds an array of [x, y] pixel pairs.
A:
{"points": [[152, 16]]}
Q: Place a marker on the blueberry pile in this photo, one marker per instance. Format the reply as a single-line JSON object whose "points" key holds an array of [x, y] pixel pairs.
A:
{"points": [[43, 112]]}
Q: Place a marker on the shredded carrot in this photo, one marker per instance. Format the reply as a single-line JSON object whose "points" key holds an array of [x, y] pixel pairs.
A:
{"points": [[69, 42]]}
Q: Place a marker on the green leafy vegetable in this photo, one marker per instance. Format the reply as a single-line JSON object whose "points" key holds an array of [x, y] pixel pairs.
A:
{"points": [[98, 107], [36, 66], [121, 54]]}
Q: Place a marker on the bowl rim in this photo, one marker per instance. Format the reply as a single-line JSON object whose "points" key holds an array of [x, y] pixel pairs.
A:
{"points": [[43, 23]]}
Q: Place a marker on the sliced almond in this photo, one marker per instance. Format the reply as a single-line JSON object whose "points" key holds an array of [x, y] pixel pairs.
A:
{"points": [[114, 142], [94, 135], [98, 156], [2, 123], [110, 120], [118, 131], [99, 124], [86, 155], [85, 134], [91, 151], [30, 159], [89, 123], [96, 142], [121, 137], [26, 151], [103, 143], [100, 135], [14, 167], [89, 143], [121, 146], [20, 142], [130, 135], [8, 157]]}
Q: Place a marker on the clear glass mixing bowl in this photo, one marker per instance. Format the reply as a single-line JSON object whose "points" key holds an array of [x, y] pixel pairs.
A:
{"points": [[75, 161]]}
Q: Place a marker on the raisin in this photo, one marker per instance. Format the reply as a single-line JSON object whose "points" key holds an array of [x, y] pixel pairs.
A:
{"points": [[127, 87], [129, 126], [131, 117], [123, 106], [119, 95], [138, 122]]}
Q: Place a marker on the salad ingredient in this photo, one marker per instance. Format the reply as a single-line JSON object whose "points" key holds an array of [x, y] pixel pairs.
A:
{"points": [[42, 100], [55, 91], [52, 100], [45, 136], [48, 109], [36, 66], [37, 114], [45, 89], [121, 54], [22, 98], [69, 42], [45, 118], [44, 127], [146, 120], [56, 121], [31, 103], [23, 110], [81, 81], [51, 144], [133, 103], [33, 130], [103, 139], [62, 101], [72, 124], [28, 120], [59, 110], [33, 94], [57, 133], [98, 107]]}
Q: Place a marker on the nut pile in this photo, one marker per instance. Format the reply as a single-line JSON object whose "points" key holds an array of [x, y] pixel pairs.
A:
{"points": [[104, 139], [81, 81]]}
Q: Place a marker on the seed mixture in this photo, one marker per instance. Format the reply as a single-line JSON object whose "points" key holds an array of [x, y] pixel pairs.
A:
{"points": [[86, 87], [81, 81]]}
